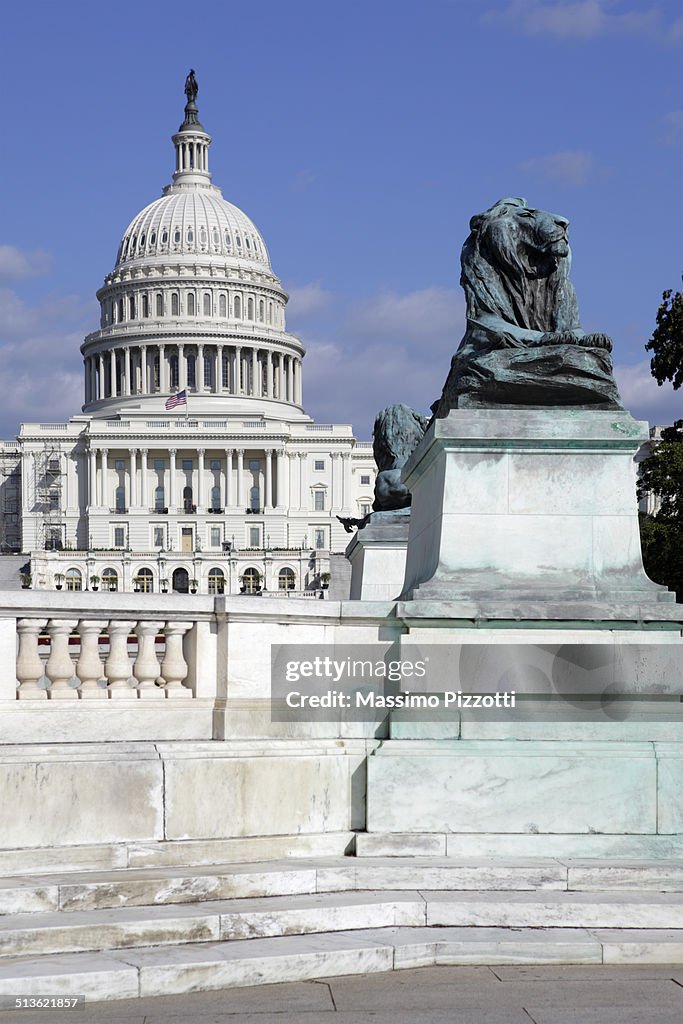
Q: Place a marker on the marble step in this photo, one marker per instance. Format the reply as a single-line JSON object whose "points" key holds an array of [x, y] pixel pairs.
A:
{"points": [[169, 970], [211, 921], [464, 845], [180, 852], [152, 887], [615, 909], [172, 885]]}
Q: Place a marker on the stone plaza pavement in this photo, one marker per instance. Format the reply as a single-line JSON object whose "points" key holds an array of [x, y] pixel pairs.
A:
{"points": [[428, 995]]}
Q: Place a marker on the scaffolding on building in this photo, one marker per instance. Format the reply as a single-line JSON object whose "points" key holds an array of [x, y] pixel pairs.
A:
{"points": [[48, 482]]}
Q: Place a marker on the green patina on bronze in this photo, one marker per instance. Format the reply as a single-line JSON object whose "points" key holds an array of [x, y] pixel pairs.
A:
{"points": [[524, 344]]}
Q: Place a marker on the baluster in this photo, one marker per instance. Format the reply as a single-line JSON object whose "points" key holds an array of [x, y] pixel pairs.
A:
{"points": [[146, 668], [60, 668], [117, 666], [29, 664], [174, 666], [89, 667]]}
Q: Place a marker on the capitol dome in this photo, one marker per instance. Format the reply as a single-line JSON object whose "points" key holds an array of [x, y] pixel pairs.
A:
{"points": [[192, 222], [193, 305]]}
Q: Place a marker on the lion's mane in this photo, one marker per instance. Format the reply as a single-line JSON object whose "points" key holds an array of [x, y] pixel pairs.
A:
{"points": [[505, 272]]}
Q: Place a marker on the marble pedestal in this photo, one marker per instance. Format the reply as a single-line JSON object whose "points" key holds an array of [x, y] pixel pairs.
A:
{"points": [[529, 514], [378, 557]]}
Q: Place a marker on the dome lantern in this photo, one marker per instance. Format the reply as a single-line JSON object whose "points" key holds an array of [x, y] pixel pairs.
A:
{"points": [[191, 142]]}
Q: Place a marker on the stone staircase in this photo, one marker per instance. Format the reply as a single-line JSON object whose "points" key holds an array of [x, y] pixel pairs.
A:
{"points": [[116, 933]]}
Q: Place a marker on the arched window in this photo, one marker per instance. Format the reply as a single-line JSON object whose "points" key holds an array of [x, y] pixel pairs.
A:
{"points": [[216, 580], [215, 497], [131, 308], [120, 498], [251, 581], [238, 241], [134, 242], [226, 238], [74, 579], [222, 306], [175, 304], [192, 371], [248, 243], [153, 238], [173, 370], [286, 579], [110, 581], [120, 309], [176, 236], [216, 238], [207, 304], [270, 312], [190, 304], [261, 310], [188, 507], [144, 581], [202, 236], [250, 309], [142, 241], [190, 236], [145, 305], [181, 581], [164, 237], [208, 372], [238, 307], [160, 304]]}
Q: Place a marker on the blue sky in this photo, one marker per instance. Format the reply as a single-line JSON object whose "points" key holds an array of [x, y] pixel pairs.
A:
{"points": [[360, 137]]}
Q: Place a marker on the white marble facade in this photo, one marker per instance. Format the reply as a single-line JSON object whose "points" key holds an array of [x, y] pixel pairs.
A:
{"points": [[237, 487]]}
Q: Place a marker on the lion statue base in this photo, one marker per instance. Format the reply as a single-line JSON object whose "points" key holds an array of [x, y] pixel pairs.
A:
{"points": [[524, 345]]}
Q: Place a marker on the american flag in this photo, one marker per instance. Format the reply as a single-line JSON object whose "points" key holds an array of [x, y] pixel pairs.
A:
{"points": [[180, 398]]}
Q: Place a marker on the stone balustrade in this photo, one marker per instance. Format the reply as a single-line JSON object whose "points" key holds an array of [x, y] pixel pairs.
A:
{"points": [[106, 647], [100, 659]]}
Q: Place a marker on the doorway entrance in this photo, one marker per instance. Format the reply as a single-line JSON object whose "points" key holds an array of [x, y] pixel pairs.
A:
{"points": [[181, 581], [186, 538]]}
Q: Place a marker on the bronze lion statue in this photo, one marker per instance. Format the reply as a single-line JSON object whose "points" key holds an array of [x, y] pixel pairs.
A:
{"points": [[524, 345], [396, 434]]}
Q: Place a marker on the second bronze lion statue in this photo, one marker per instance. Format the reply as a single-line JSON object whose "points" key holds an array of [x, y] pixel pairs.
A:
{"points": [[524, 345]]}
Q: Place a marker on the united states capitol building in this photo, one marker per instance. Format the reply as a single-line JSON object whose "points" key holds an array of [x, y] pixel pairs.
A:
{"points": [[192, 465]]}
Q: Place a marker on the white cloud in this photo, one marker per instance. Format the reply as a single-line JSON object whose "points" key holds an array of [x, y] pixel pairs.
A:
{"points": [[673, 128], [389, 348], [40, 362], [644, 397], [574, 167], [303, 179], [419, 314], [576, 19], [306, 300], [15, 264]]}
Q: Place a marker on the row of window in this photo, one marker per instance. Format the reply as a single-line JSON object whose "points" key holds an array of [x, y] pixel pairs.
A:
{"points": [[155, 241], [136, 307], [180, 581], [215, 535]]}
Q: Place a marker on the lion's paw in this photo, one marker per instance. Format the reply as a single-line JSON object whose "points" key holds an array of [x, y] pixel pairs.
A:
{"points": [[597, 341]]}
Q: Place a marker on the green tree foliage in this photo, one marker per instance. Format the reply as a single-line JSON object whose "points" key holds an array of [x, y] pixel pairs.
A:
{"points": [[667, 341], [662, 534]]}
